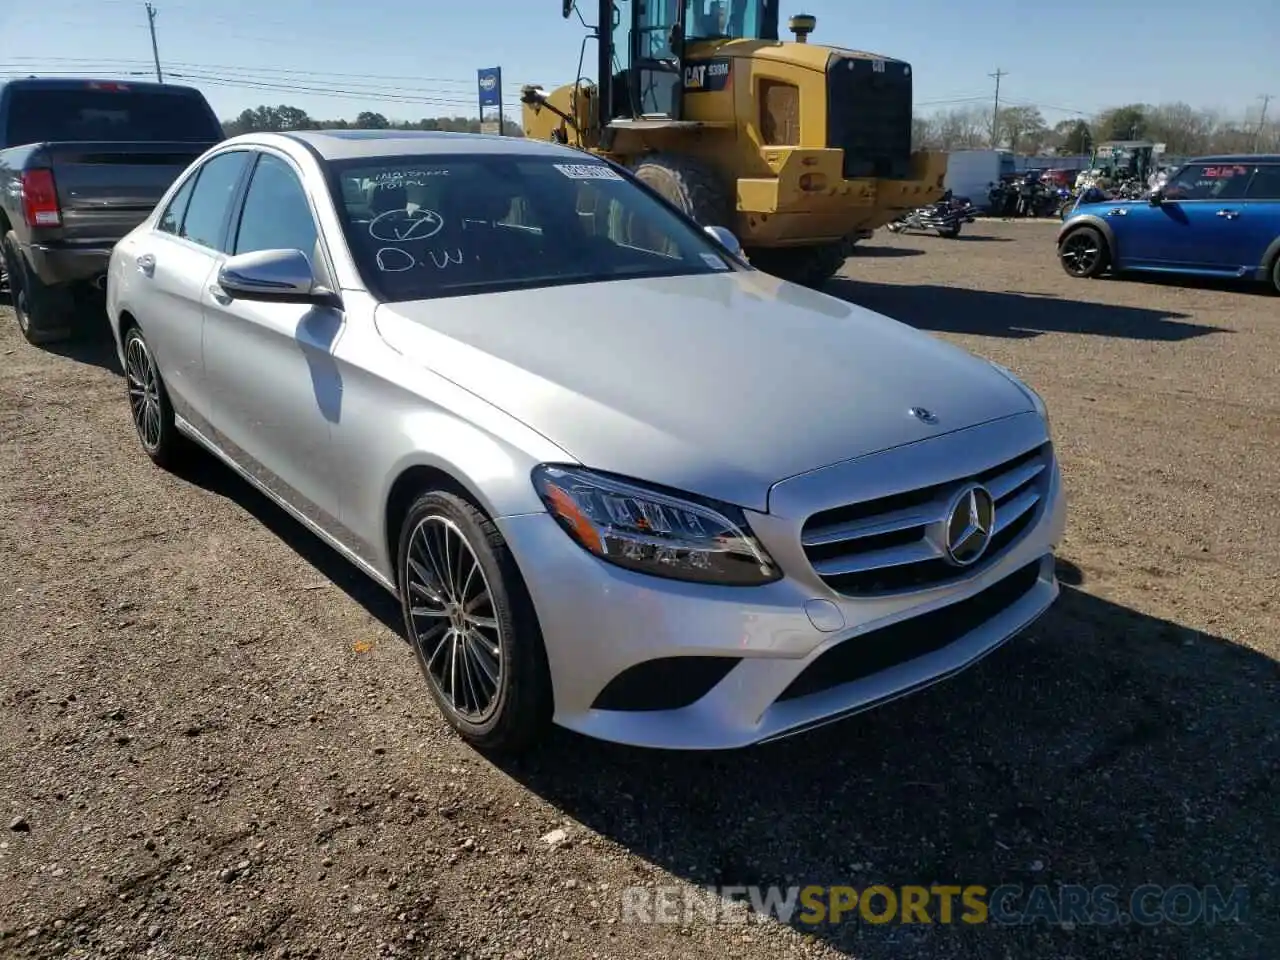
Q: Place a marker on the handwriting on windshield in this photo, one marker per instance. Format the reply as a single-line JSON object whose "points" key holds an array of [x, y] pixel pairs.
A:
{"points": [[397, 260], [394, 179], [400, 226]]}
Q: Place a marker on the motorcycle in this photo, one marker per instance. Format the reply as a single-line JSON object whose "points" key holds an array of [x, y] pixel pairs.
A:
{"points": [[940, 218]]}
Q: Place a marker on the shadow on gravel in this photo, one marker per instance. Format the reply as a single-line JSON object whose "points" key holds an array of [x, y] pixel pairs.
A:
{"points": [[1186, 282], [1009, 314], [1101, 747], [209, 473], [886, 253]]}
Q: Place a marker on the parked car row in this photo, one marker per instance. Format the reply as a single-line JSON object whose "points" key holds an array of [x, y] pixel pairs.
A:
{"points": [[422, 346]]}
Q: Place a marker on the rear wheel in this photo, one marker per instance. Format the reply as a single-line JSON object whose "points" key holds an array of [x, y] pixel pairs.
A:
{"points": [[1275, 273], [472, 625], [44, 312], [1083, 252], [149, 405], [810, 266]]}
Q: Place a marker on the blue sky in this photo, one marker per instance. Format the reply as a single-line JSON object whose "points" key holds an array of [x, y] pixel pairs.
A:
{"points": [[414, 59]]}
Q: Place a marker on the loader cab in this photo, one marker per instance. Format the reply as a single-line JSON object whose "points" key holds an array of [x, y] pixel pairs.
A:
{"points": [[643, 45]]}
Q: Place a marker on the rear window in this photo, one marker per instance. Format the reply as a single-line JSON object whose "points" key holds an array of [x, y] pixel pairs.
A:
{"points": [[83, 113]]}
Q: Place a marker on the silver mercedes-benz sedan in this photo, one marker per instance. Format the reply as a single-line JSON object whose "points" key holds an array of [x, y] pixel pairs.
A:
{"points": [[618, 479]]}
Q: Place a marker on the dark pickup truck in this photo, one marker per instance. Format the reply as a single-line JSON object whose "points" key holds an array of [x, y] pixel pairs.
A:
{"points": [[82, 162]]}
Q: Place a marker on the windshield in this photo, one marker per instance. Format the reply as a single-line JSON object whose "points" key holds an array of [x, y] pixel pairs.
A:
{"points": [[111, 113], [441, 225], [720, 19]]}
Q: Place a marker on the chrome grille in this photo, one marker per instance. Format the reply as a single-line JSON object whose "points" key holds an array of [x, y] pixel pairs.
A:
{"points": [[897, 543]]}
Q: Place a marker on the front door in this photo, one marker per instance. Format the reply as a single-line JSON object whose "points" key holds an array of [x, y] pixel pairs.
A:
{"points": [[656, 42], [1201, 213], [276, 388]]}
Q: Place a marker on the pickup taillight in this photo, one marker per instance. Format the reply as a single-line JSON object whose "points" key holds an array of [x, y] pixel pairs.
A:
{"points": [[40, 198]]}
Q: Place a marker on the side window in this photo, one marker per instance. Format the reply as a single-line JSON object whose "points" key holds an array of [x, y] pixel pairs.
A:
{"points": [[1209, 181], [207, 211], [276, 214], [171, 219], [1265, 184]]}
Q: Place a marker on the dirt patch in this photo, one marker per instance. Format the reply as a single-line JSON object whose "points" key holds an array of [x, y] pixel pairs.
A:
{"points": [[217, 745]]}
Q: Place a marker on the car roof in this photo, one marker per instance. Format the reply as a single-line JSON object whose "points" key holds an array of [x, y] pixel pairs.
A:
{"points": [[1238, 158], [79, 83], [356, 144]]}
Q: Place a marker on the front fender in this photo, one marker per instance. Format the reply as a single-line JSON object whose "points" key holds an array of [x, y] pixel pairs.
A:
{"points": [[1093, 220]]}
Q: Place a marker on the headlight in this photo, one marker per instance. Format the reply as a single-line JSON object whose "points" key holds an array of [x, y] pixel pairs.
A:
{"points": [[1036, 400], [654, 532]]}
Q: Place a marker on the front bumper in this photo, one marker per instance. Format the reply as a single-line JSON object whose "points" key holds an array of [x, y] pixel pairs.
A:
{"points": [[600, 621], [808, 200]]}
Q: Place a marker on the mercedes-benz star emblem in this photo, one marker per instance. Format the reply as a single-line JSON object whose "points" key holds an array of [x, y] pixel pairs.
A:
{"points": [[970, 521], [923, 415]]}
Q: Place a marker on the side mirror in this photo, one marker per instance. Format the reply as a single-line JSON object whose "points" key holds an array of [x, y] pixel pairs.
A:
{"points": [[726, 239], [566, 9], [1156, 197], [275, 276]]}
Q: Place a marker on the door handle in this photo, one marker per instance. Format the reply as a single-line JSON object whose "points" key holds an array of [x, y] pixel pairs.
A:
{"points": [[1229, 214], [1118, 212], [147, 264]]}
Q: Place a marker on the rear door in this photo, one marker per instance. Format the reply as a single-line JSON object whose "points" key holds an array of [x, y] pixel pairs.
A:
{"points": [[1259, 219], [175, 261], [275, 384]]}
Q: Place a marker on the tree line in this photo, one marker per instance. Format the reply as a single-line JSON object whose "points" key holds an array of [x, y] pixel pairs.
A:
{"points": [[1184, 130], [285, 117]]}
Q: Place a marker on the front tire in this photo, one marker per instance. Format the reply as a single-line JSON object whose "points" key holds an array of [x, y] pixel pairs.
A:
{"points": [[472, 625], [44, 311], [1275, 274], [149, 405], [692, 186], [1083, 253], [808, 266]]}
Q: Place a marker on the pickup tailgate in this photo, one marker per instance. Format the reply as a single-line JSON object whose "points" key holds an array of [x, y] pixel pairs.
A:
{"points": [[107, 188]]}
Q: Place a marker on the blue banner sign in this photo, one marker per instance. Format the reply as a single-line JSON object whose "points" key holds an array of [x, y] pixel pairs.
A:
{"points": [[489, 80]]}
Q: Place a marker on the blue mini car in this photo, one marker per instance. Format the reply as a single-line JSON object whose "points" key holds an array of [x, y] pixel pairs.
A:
{"points": [[1215, 216]]}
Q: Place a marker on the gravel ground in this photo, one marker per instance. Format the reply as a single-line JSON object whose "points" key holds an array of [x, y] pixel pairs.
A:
{"points": [[216, 743]]}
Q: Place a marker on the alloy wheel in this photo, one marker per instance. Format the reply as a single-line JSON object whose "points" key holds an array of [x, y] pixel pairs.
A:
{"points": [[1080, 253], [144, 392], [453, 620]]}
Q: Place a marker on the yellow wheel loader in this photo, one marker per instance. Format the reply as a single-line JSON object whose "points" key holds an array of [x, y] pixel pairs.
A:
{"points": [[800, 149]]}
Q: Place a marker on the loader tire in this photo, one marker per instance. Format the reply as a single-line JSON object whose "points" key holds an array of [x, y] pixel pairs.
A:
{"points": [[689, 184], [810, 266]]}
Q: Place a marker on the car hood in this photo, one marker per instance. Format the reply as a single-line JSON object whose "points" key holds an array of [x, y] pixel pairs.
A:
{"points": [[720, 384]]}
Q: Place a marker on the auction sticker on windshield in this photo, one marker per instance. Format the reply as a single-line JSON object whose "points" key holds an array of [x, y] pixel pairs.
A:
{"points": [[588, 171]]}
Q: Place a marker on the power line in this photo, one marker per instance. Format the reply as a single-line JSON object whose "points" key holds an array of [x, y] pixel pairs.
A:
{"points": [[285, 73]]}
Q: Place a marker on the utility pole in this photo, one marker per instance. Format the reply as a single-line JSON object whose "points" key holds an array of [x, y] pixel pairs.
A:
{"points": [[1262, 120], [995, 110], [155, 50]]}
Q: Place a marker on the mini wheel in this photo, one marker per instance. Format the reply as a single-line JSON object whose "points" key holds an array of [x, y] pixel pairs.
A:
{"points": [[1083, 252]]}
